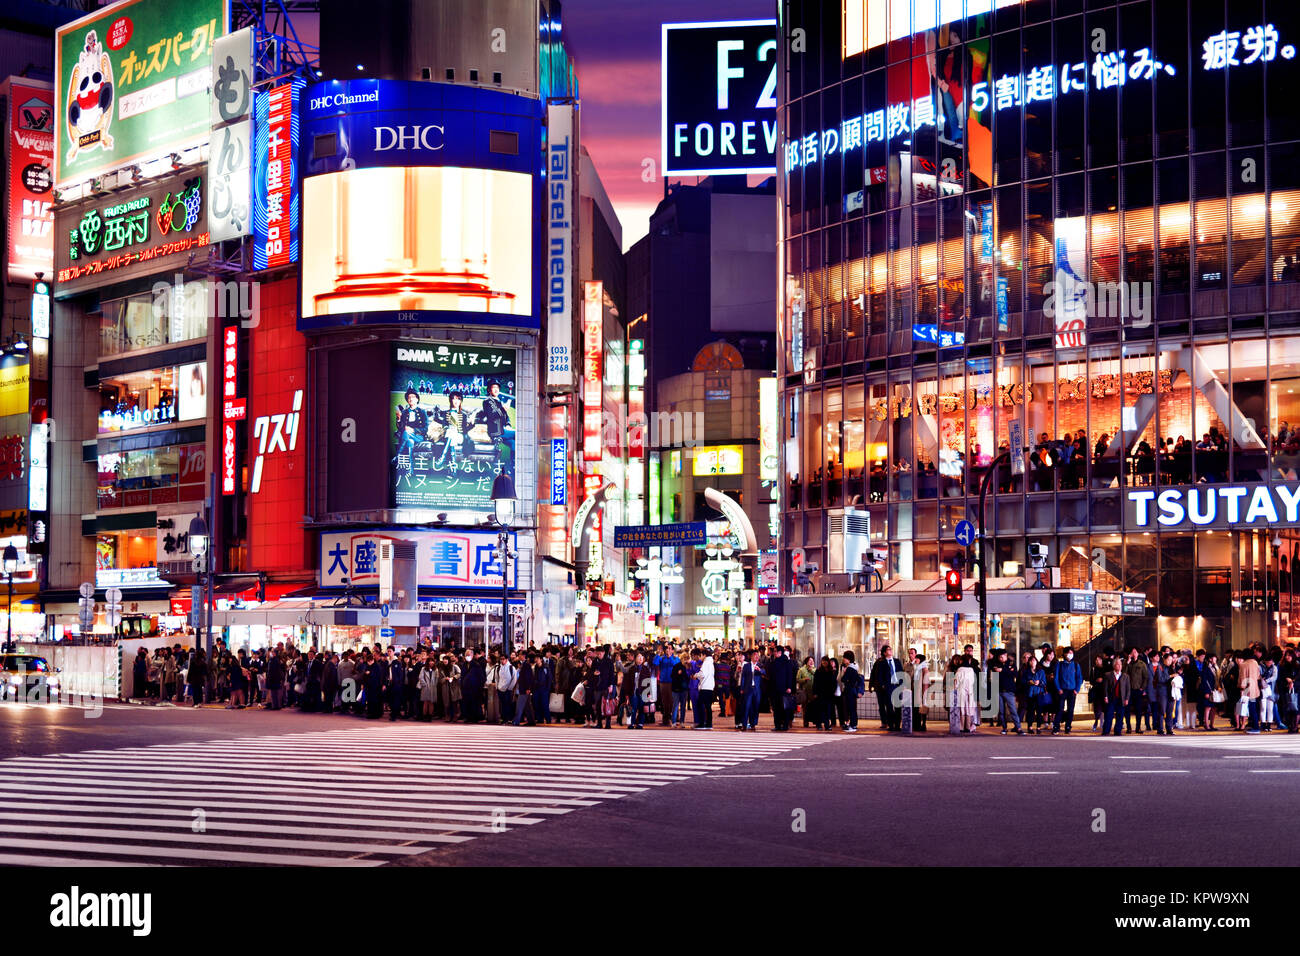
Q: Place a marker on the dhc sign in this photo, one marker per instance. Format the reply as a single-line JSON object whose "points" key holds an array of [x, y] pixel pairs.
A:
{"points": [[1215, 506]]}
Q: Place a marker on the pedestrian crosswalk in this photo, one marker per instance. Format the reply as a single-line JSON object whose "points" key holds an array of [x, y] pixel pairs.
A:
{"points": [[360, 796], [1273, 742]]}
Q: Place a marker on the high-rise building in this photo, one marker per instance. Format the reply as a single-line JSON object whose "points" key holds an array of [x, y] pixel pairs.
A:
{"points": [[1051, 249]]}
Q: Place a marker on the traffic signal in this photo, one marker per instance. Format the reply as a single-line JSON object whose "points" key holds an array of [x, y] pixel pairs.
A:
{"points": [[953, 585]]}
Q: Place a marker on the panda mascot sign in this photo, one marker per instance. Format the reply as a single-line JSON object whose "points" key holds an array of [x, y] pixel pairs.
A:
{"points": [[90, 99]]}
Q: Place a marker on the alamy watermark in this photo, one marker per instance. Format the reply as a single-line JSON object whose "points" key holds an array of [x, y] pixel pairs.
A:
{"points": [[1070, 298], [214, 298]]}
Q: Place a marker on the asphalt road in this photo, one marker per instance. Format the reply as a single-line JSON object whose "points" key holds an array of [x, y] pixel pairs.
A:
{"points": [[575, 796]]}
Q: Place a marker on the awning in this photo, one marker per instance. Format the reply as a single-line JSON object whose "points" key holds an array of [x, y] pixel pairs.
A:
{"points": [[907, 596], [293, 611]]}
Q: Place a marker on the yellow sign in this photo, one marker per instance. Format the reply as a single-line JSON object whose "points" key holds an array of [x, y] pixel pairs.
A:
{"points": [[14, 378], [719, 460]]}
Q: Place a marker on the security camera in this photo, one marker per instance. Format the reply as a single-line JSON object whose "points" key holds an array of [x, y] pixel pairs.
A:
{"points": [[1037, 556]]}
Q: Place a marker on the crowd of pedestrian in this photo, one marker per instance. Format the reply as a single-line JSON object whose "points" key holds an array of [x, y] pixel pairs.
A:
{"points": [[1254, 690]]}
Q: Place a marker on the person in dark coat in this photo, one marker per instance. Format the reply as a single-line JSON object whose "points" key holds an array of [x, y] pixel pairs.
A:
{"points": [[524, 687], [472, 682], [603, 669], [197, 675], [376, 684], [396, 687], [311, 692], [140, 674], [544, 681], [329, 684], [274, 682], [824, 682], [780, 685], [885, 674], [1116, 690]]}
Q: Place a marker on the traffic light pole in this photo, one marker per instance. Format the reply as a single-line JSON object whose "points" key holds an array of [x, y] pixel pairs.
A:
{"points": [[982, 593]]}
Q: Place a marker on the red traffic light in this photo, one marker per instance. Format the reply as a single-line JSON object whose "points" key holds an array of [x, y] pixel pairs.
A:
{"points": [[952, 582]]}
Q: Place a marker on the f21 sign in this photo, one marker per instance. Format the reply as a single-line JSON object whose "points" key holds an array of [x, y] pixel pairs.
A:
{"points": [[719, 98]]}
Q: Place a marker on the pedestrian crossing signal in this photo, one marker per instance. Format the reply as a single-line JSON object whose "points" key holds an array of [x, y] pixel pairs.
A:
{"points": [[953, 585]]}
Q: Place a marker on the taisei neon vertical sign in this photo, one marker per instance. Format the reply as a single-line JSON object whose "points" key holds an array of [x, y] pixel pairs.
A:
{"points": [[232, 407], [593, 345]]}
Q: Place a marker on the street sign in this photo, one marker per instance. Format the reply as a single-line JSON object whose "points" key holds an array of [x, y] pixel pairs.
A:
{"points": [[383, 611], [113, 596], [663, 535], [387, 633], [797, 558], [1016, 434], [87, 589], [965, 533]]}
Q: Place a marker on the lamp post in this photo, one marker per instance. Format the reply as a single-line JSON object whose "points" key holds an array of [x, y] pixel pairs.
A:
{"points": [[503, 501], [11, 565], [199, 542]]}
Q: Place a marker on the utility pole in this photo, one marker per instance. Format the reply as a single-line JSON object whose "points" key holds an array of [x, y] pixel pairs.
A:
{"points": [[981, 587]]}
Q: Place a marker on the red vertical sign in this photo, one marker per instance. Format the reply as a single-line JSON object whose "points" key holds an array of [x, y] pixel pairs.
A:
{"points": [[279, 175], [229, 394]]}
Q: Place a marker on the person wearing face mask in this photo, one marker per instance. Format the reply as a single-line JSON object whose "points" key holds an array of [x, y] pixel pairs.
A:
{"points": [[1068, 678]]}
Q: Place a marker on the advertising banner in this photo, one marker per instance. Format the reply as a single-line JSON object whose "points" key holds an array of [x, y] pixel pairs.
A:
{"points": [[14, 381], [131, 83], [593, 365], [229, 149], [1071, 296], [769, 421], [129, 233], [363, 123], [719, 98], [453, 410], [31, 180], [275, 175], [559, 248], [452, 559], [415, 244]]}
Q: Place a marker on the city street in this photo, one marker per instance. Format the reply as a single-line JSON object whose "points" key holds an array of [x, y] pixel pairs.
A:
{"points": [[159, 785]]}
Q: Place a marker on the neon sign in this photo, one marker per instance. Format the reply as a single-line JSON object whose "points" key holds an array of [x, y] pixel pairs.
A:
{"points": [[1220, 51], [1041, 84]]}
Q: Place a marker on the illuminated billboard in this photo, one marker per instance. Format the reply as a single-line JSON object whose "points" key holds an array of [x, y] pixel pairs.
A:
{"points": [[31, 180], [870, 23], [132, 82], [452, 418], [275, 179], [719, 460], [417, 244], [718, 102]]}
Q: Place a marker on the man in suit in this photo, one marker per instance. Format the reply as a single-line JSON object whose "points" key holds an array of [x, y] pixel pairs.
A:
{"points": [[376, 684], [885, 675], [751, 689], [1115, 694], [780, 683], [604, 666], [1161, 706]]}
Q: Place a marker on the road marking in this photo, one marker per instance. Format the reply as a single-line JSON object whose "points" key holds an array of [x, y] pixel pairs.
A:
{"points": [[1137, 757], [786, 759], [1251, 756], [1021, 773], [900, 758], [1155, 771], [341, 797], [1276, 771], [1022, 758], [899, 774], [742, 775]]}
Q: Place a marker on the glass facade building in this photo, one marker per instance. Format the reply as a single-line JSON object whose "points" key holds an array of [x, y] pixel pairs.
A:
{"points": [[1076, 218]]}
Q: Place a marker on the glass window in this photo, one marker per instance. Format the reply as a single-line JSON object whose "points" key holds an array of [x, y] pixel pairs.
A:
{"points": [[1139, 226], [1106, 389], [812, 436], [854, 436], [1175, 226], [1211, 223], [141, 399], [1284, 405], [1138, 417], [1284, 219], [150, 319], [900, 414], [834, 453], [877, 442], [926, 425], [1250, 431]]}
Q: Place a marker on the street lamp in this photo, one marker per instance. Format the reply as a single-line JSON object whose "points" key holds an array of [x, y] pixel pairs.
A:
{"points": [[11, 565], [199, 542], [503, 503]]}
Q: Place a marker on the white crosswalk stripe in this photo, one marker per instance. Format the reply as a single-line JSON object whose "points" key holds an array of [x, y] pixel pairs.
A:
{"points": [[1271, 744], [356, 796]]}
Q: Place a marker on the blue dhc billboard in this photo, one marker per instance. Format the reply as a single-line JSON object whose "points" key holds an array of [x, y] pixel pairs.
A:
{"points": [[421, 204]]}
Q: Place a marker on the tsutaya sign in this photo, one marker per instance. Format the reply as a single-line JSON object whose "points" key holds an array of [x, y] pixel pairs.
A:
{"points": [[1255, 505]]}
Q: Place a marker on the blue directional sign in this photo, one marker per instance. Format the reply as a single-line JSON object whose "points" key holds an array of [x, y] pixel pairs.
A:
{"points": [[965, 533], [387, 633], [383, 610], [665, 535]]}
